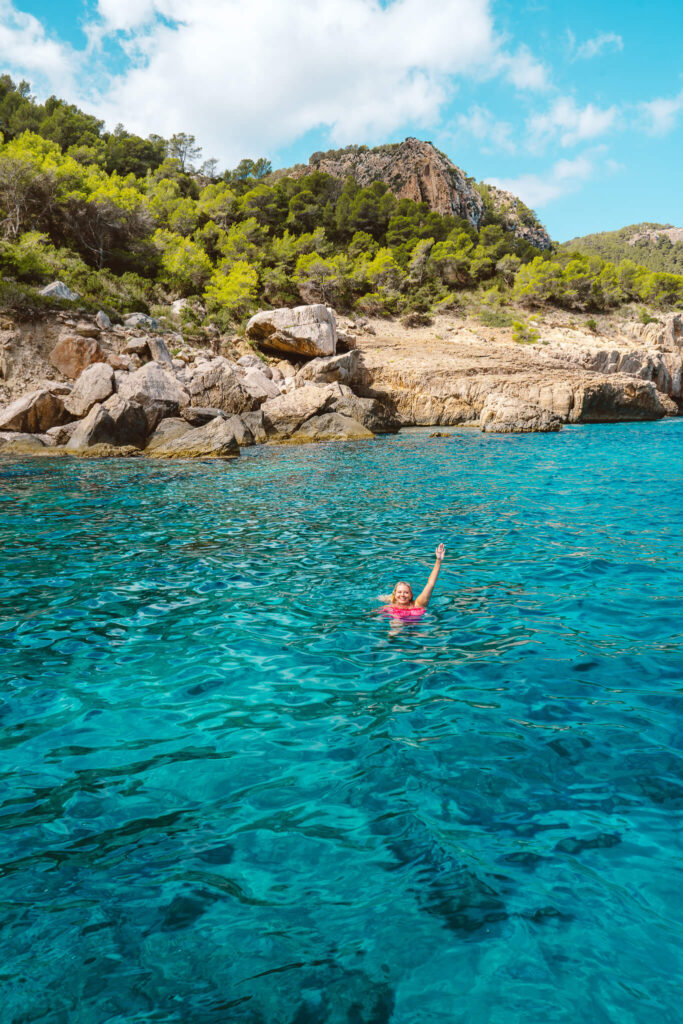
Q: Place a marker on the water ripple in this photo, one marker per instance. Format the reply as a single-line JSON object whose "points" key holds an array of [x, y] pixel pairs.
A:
{"points": [[233, 793]]}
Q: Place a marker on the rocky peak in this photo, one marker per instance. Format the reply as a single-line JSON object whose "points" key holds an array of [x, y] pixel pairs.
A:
{"points": [[417, 170]]}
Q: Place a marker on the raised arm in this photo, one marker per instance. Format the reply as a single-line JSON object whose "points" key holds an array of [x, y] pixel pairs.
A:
{"points": [[423, 600]]}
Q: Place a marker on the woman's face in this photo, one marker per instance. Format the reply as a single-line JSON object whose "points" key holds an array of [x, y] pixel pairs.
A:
{"points": [[403, 595]]}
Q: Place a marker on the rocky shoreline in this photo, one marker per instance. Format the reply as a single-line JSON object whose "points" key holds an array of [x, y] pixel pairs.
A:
{"points": [[80, 386]]}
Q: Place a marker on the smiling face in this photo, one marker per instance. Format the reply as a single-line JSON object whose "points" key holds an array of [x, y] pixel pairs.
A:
{"points": [[402, 596]]}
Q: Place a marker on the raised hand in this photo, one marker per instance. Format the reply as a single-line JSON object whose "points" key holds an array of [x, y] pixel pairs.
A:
{"points": [[440, 553]]}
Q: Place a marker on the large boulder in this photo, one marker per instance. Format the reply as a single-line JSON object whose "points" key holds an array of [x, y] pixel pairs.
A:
{"points": [[215, 440], [617, 399], [285, 414], [117, 422], [95, 384], [60, 435], [259, 385], [342, 368], [158, 349], [58, 290], [103, 321], [505, 414], [372, 413], [147, 323], [330, 426], [156, 390], [197, 416], [304, 330], [34, 413], [218, 385], [72, 354], [254, 423], [168, 430], [137, 347]]}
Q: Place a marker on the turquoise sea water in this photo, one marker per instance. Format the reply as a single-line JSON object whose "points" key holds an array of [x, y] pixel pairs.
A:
{"points": [[230, 793]]}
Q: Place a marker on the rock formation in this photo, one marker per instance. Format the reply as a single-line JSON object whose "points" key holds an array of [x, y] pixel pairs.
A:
{"points": [[304, 330], [417, 170]]}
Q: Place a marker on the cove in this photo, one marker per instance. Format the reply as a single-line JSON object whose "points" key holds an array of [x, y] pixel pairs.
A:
{"points": [[232, 793]]}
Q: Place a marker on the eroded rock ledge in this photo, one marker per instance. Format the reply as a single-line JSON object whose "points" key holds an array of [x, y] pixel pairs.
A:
{"points": [[120, 390]]}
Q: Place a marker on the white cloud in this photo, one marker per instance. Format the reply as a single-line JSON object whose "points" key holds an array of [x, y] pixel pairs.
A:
{"points": [[249, 77], [564, 177], [26, 49], [598, 44], [660, 115], [481, 123], [523, 70], [571, 124]]}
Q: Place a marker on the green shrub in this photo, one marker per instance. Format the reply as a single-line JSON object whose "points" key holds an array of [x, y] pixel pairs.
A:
{"points": [[592, 325], [645, 318], [495, 318], [524, 334]]}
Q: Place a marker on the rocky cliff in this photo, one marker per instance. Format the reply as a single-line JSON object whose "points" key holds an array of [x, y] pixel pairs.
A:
{"points": [[417, 170]]}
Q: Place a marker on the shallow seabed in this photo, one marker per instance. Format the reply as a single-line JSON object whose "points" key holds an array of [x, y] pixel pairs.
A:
{"points": [[230, 793]]}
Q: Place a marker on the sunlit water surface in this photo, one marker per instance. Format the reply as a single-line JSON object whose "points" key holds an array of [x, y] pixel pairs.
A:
{"points": [[232, 793]]}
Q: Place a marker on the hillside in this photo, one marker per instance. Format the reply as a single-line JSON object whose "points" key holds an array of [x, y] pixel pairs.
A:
{"points": [[418, 171], [132, 224], [659, 247]]}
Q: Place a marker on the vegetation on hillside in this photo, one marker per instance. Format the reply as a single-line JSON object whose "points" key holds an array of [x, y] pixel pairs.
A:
{"points": [[130, 224], [659, 255]]}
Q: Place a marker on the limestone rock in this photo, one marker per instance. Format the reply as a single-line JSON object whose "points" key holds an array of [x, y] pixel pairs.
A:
{"points": [[243, 434], [58, 290], [116, 422], [61, 435], [86, 329], [148, 323], [120, 362], [370, 412], [72, 354], [254, 422], [214, 440], [34, 413], [178, 306], [101, 450], [504, 414], [416, 170], [156, 390], [137, 347], [343, 368], [286, 368], [285, 414], [617, 399], [95, 384], [158, 350], [196, 416], [218, 385], [667, 335], [14, 440], [330, 426], [304, 330], [103, 321], [168, 430], [258, 385]]}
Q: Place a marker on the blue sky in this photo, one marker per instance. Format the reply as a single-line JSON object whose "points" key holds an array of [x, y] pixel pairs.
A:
{"points": [[577, 108]]}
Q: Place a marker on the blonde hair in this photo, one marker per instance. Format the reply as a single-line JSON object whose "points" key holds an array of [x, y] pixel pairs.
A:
{"points": [[402, 583]]}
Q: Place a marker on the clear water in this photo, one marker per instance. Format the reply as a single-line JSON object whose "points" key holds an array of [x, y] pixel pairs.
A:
{"points": [[229, 793]]}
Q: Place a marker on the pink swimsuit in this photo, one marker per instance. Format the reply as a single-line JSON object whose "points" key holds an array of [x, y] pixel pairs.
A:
{"points": [[403, 613]]}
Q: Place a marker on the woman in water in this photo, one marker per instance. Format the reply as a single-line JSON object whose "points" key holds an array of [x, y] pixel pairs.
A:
{"points": [[402, 603]]}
